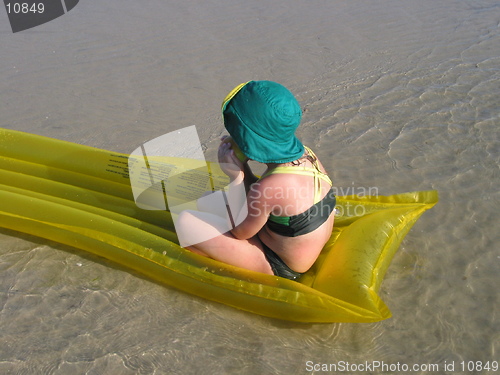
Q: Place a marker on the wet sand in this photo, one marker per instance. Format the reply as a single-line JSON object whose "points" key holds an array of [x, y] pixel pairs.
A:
{"points": [[398, 96]]}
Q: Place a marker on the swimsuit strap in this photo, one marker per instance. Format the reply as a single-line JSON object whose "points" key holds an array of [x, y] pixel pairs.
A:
{"points": [[305, 171], [315, 158]]}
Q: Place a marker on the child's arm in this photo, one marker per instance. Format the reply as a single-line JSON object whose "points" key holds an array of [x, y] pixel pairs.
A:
{"points": [[249, 178]]}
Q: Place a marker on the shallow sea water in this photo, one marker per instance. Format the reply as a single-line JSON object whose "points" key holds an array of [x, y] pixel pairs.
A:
{"points": [[397, 96]]}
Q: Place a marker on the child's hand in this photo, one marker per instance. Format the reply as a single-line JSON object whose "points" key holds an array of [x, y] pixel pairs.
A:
{"points": [[239, 154], [228, 161]]}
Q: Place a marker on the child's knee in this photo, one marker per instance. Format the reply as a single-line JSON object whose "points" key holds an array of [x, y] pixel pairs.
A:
{"points": [[185, 220]]}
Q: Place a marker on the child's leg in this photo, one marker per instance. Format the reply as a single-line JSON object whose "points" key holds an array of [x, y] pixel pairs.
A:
{"points": [[203, 235]]}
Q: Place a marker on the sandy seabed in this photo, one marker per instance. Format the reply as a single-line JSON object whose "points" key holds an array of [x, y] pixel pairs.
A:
{"points": [[397, 96]]}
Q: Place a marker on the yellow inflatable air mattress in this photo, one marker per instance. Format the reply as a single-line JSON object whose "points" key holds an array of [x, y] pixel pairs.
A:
{"points": [[81, 196]]}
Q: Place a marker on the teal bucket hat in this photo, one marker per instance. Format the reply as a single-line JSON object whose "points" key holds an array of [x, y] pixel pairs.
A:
{"points": [[261, 117]]}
